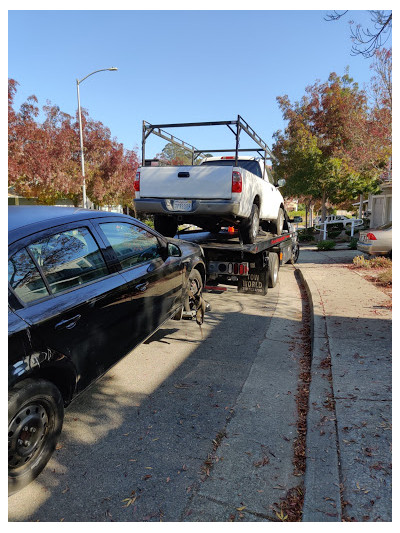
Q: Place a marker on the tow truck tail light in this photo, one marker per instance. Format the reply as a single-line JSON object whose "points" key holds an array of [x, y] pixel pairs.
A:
{"points": [[236, 181], [136, 184], [371, 237]]}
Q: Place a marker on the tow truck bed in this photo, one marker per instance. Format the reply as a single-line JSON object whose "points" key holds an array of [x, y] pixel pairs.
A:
{"points": [[251, 267]]}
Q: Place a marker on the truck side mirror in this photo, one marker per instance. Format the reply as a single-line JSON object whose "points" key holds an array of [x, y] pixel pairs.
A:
{"points": [[281, 182]]}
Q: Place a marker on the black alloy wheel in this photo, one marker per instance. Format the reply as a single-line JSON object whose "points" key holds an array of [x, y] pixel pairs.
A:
{"points": [[35, 417], [193, 291]]}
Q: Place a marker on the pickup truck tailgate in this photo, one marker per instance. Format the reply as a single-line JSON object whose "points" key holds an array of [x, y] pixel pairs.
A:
{"points": [[197, 182]]}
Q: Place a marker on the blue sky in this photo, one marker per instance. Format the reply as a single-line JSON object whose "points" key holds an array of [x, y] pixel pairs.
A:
{"points": [[178, 66]]}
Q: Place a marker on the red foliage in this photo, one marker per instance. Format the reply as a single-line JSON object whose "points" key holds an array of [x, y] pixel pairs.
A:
{"points": [[44, 159]]}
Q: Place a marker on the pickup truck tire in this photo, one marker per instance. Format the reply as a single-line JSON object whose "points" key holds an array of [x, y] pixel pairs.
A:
{"points": [[35, 417], [193, 291], [165, 225], [273, 269], [249, 226], [277, 225]]}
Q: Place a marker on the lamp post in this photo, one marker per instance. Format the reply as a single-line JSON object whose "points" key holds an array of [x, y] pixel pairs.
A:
{"points": [[78, 82]]}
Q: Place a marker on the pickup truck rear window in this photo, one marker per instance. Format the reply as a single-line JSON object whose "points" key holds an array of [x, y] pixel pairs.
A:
{"points": [[247, 164]]}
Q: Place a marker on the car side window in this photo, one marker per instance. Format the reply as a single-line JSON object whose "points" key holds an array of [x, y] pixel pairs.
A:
{"points": [[69, 259], [24, 278], [132, 244]]}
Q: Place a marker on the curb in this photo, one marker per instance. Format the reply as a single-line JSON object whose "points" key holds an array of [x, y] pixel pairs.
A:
{"points": [[322, 500]]}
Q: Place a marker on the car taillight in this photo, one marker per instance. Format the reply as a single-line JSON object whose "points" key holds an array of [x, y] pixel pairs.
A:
{"points": [[136, 184], [371, 237], [236, 181]]}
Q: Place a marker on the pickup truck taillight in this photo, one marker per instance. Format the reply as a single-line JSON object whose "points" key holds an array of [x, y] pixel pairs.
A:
{"points": [[236, 181], [136, 184]]}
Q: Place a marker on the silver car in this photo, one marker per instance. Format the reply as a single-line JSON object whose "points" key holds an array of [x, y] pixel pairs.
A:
{"points": [[376, 241]]}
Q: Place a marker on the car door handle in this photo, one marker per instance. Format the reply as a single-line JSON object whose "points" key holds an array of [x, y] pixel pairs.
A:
{"points": [[142, 286], [69, 323]]}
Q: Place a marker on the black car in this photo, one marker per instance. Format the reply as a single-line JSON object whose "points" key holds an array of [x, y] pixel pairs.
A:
{"points": [[85, 287]]}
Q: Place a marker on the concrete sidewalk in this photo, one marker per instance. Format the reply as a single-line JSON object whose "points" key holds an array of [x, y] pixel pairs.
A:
{"points": [[348, 469]]}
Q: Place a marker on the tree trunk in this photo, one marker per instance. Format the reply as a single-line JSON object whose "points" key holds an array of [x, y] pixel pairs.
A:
{"points": [[323, 207], [311, 214], [306, 216]]}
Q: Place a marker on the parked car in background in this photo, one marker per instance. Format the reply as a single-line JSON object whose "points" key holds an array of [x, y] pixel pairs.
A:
{"points": [[376, 241], [85, 288]]}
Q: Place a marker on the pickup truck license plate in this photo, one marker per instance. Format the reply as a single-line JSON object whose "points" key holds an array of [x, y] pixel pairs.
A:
{"points": [[182, 205]]}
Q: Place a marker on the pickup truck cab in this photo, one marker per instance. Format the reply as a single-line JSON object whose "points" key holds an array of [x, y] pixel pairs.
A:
{"points": [[217, 192]]}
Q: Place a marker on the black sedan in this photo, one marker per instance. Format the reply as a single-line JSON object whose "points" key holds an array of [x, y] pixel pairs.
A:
{"points": [[85, 287]]}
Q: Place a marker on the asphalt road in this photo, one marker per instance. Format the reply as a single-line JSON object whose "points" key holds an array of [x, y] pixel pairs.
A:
{"points": [[136, 443]]}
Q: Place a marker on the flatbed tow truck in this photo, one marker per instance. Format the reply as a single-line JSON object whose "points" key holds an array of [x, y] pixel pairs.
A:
{"points": [[252, 268]]}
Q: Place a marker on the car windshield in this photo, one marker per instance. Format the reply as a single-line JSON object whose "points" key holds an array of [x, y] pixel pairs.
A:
{"points": [[388, 225]]}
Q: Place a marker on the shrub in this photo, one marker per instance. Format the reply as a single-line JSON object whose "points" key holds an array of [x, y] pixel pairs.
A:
{"points": [[326, 245], [360, 262], [380, 262], [353, 243], [385, 276], [306, 238], [374, 262], [333, 234], [306, 231]]}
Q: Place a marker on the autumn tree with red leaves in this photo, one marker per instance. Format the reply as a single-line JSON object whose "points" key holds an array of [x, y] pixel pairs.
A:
{"points": [[44, 159], [333, 146]]}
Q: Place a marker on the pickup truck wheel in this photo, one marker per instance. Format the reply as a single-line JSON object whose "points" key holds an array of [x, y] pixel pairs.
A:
{"points": [[193, 291], [273, 269], [165, 225], [35, 417], [249, 227], [277, 225]]}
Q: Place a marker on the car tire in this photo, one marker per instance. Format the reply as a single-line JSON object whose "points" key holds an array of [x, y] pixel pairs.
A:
{"points": [[165, 225], [35, 418], [249, 227], [273, 269], [194, 289], [277, 225]]}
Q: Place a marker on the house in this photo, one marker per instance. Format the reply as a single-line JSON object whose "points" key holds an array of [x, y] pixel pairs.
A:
{"points": [[380, 205]]}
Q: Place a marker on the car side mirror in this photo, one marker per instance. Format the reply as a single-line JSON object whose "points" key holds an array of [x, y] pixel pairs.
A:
{"points": [[281, 182], [173, 250]]}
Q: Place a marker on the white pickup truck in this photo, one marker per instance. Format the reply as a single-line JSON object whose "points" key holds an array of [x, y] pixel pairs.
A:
{"points": [[217, 192]]}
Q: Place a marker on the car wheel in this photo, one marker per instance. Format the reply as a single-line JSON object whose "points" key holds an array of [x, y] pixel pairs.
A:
{"points": [[35, 417], [193, 291], [249, 227], [273, 269], [165, 225], [277, 225]]}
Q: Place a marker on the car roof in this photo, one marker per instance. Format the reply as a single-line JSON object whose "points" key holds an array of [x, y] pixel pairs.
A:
{"points": [[25, 220]]}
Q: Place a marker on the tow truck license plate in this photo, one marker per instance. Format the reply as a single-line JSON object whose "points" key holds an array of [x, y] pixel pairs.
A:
{"points": [[182, 205]]}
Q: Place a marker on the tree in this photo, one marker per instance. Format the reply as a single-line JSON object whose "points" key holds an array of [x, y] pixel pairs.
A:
{"points": [[44, 159], [329, 148], [174, 155], [365, 41]]}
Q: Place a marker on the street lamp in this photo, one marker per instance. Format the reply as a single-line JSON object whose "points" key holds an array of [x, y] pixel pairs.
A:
{"points": [[78, 82]]}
